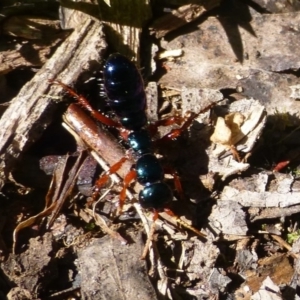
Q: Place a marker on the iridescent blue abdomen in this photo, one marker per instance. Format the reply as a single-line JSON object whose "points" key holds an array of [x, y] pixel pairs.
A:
{"points": [[124, 87]]}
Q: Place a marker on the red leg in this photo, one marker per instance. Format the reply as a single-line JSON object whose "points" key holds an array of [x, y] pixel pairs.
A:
{"points": [[187, 121], [184, 224], [178, 186], [84, 102], [152, 229], [235, 154], [281, 165], [153, 128], [150, 235], [104, 178], [126, 182]]}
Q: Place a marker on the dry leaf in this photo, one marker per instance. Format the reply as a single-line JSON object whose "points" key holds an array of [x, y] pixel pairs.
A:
{"points": [[241, 128], [227, 129], [222, 134]]}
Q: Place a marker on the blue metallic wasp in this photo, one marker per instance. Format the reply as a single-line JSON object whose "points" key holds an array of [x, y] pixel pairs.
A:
{"points": [[124, 88]]}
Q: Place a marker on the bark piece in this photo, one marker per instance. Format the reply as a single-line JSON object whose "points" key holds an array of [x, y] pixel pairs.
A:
{"points": [[228, 218], [152, 101], [181, 16], [245, 259], [268, 195], [30, 27], [32, 110], [219, 280], [226, 167], [123, 21], [222, 55], [272, 213], [266, 199], [283, 196], [194, 99], [277, 267], [198, 260], [43, 35], [97, 139], [112, 271], [278, 6]]}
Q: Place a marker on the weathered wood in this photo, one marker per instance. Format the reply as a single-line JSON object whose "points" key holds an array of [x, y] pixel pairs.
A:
{"points": [[32, 110], [43, 36], [123, 21], [117, 271], [100, 140], [256, 58], [181, 16]]}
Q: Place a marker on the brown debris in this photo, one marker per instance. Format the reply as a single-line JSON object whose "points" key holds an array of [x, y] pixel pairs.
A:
{"points": [[117, 272], [34, 268], [180, 17], [42, 35], [31, 111], [223, 54], [86, 132]]}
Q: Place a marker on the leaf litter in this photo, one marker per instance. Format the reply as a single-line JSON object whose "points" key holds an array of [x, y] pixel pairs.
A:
{"points": [[239, 245]]}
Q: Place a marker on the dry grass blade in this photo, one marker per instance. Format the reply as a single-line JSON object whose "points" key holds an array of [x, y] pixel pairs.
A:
{"points": [[58, 192]]}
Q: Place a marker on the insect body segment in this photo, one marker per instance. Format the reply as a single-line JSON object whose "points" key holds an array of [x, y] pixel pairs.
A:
{"points": [[124, 88], [125, 91], [126, 97]]}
